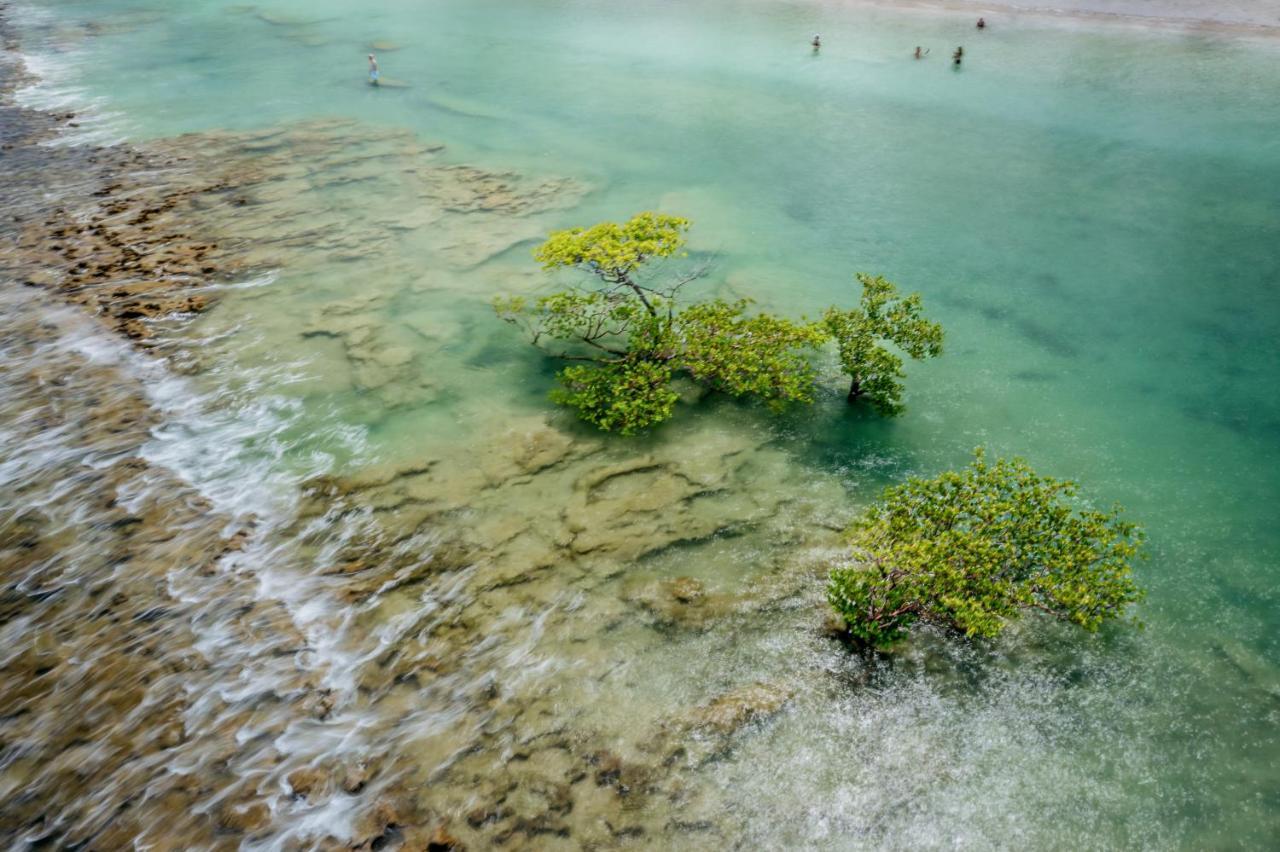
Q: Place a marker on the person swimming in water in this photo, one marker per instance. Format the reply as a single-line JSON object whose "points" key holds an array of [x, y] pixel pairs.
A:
{"points": [[958, 55], [920, 55], [373, 70], [982, 23], [817, 43]]}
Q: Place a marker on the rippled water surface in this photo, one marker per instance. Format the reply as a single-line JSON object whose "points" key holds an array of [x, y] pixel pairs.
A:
{"points": [[554, 639]]}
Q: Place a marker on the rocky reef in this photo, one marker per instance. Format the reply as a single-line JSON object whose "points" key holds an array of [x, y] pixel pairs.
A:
{"points": [[447, 663], [139, 233], [107, 737], [540, 536]]}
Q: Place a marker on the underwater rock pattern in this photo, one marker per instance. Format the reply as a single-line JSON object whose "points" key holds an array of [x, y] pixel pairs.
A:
{"points": [[524, 766], [140, 232], [439, 590], [104, 647]]}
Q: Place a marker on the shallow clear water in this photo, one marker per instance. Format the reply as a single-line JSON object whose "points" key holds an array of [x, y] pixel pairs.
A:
{"points": [[1091, 211]]}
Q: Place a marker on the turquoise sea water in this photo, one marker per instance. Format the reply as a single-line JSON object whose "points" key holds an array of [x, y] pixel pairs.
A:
{"points": [[1092, 211]]}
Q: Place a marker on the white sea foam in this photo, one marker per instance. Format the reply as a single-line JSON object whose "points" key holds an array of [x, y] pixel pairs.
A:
{"points": [[56, 89], [266, 279], [230, 444]]}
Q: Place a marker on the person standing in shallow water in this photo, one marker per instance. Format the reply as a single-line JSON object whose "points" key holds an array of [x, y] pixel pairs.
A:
{"points": [[373, 70], [958, 55], [982, 23], [919, 55], [817, 43]]}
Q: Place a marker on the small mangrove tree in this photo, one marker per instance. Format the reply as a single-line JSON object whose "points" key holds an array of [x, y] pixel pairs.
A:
{"points": [[972, 550], [629, 338]]}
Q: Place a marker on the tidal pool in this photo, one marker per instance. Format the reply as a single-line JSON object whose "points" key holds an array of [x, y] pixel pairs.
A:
{"points": [[540, 635]]}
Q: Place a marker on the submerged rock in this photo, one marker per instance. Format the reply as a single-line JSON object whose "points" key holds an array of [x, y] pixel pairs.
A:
{"points": [[735, 709], [245, 818], [1258, 672], [310, 782], [437, 839], [472, 592], [110, 685], [687, 590], [280, 19]]}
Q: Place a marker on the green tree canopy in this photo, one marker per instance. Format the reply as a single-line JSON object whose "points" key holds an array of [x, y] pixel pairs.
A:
{"points": [[613, 252], [882, 316], [763, 356], [971, 550], [633, 337]]}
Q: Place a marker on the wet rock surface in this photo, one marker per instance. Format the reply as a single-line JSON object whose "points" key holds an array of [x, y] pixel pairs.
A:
{"points": [[137, 620], [532, 763], [141, 233], [101, 647], [108, 228], [444, 674]]}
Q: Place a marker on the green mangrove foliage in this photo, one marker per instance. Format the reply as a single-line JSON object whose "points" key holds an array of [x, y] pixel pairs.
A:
{"points": [[633, 338], [875, 371], [973, 549]]}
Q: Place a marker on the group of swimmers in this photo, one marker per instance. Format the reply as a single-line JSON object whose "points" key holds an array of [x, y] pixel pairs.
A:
{"points": [[956, 57]]}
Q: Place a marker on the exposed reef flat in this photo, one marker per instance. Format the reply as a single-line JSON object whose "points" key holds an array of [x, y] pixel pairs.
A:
{"points": [[137, 233], [536, 758], [103, 690], [443, 561]]}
